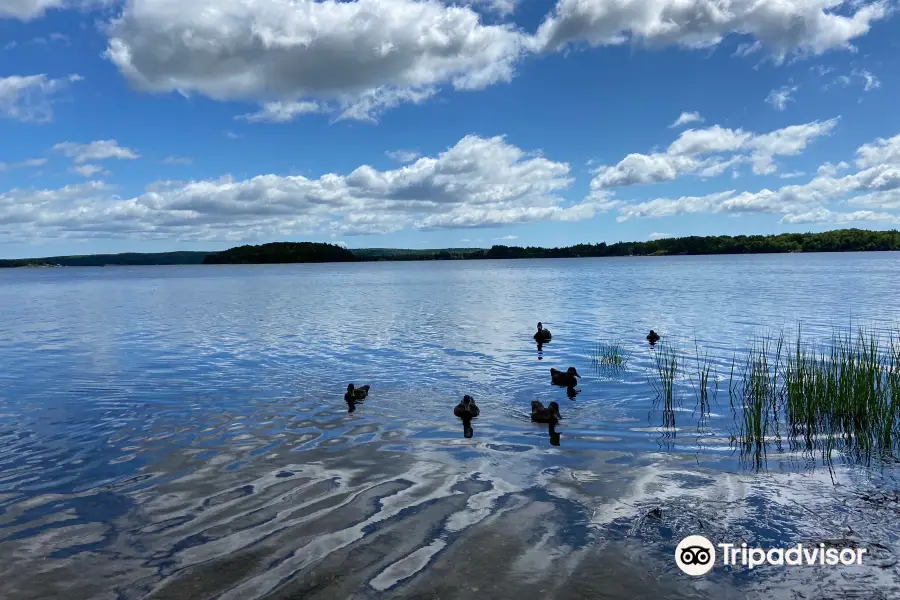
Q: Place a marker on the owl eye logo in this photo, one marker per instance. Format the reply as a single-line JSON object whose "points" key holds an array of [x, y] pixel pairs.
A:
{"points": [[695, 555]]}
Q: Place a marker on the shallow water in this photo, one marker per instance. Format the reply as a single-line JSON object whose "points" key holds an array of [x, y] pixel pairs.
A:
{"points": [[180, 432]]}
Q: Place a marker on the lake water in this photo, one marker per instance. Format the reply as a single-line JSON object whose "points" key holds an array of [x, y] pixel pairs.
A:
{"points": [[180, 432]]}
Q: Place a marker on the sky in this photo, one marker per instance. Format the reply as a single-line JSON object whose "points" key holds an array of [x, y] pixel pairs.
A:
{"points": [[155, 125]]}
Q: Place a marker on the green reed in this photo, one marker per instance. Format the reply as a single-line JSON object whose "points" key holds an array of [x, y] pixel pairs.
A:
{"points": [[666, 361], [609, 354], [701, 387], [757, 392], [844, 396]]}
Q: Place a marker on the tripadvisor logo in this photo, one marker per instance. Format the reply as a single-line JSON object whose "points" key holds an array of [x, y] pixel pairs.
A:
{"points": [[695, 555]]}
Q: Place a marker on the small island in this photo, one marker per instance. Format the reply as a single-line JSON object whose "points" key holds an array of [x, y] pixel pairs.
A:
{"points": [[282, 252], [840, 240]]}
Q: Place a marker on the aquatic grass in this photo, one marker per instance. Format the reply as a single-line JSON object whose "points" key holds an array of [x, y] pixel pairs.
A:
{"points": [[757, 393], [666, 362], [843, 397], [609, 354], [701, 387]]}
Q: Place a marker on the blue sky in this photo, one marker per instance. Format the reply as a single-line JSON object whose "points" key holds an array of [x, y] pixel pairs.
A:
{"points": [[152, 125]]}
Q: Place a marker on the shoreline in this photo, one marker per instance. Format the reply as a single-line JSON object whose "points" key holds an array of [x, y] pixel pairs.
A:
{"points": [[841, 240]]}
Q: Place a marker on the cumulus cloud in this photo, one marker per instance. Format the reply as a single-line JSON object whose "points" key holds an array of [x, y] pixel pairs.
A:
{"points": [[87, 171], [403, 156], [658, 236], [710, 152], [352, 57], [823, 215], [30, 98], [686, 118], [779, 98], [25, 10], [875, 186], [500, 7], [479, 182], [30, 163], [783, 27], [98, 150], [281, 112]]}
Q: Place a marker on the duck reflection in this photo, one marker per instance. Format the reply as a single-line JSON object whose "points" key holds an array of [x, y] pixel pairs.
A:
{"points": [[540, 346], [550, 415], [572, 392], [554, 435], [467, 427]]}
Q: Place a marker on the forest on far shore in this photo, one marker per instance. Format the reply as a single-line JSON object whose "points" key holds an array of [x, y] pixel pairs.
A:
{"points": [[840, 240]]}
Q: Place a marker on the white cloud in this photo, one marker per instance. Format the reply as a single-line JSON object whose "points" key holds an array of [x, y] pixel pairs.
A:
{"points": [[792, 175], [780, 97], [863, 76], [880, 152], [783, 27], [231, 135], [403, 156], [710, 152], [874, 186], [30, 98], [831, 170], [98, 150], [178, 160], [26, 10], [506, 238], [281, 112], [823, 215], [871, 82], [659, 236], [30, 163], [685, 118], [354, 57], [479, 182], [500, 7], [87, 171]]}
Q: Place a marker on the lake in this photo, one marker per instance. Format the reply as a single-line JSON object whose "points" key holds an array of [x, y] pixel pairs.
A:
{"points": [[180, 432]]}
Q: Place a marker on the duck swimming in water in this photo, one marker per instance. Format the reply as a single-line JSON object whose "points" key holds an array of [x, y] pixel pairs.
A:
{"points": [[550, 414], [356, 393], [542, 335], [466, 409], [652, 337], [568, 379]]}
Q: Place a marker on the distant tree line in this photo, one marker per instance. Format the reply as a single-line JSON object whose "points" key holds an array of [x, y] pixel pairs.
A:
{"points": [[841, 240], [102, 260], [282, 252]]}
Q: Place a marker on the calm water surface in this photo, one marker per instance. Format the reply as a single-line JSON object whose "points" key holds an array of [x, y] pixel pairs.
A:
{"points": [[180, 432]]}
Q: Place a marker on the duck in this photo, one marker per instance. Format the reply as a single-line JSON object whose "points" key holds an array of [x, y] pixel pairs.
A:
{"points": [[542, 335], [568, 379], [466, 409], [652, 337], [356, 393], [550, 414]]}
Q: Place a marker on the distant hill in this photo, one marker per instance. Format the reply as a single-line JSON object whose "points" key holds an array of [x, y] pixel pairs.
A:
{"points": [[282, 252], [102, 260], [840, 240]]}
